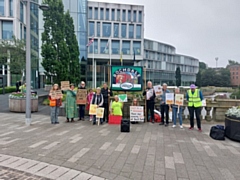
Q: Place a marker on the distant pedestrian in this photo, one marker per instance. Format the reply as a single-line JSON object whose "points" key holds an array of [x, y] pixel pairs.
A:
{"points": [[194, 97], [106, 92], [55, 101], [81, 110], [17, 86], [163, 106], [70, 104], [98, 100], [177, 112], [89, 99]]}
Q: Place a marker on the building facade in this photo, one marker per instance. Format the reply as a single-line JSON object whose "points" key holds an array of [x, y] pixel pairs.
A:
{"points": [[235, 74], [118, 34], [161, 62], [13, 23]]}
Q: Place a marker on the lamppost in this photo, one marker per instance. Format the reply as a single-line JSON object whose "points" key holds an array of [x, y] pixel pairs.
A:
{"points": [[216, 61], [28, 58]]}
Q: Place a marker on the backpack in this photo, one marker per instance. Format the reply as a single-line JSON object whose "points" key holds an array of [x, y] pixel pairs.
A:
{"points": [[217, 132]]}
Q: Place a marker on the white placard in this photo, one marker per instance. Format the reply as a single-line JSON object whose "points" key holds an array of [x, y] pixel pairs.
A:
{"points": [[158, 90], [136, 113], [169, 98], [149, 94]]}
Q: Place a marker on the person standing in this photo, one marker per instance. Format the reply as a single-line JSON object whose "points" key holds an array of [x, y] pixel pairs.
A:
{"points": [[17, 86], [71, 107], [150, 98], [117, 107], [163, 106], [177, 112], [194, 97], [81, 110], [98, 100], [55, 101], [106, 94], [89, 99]]}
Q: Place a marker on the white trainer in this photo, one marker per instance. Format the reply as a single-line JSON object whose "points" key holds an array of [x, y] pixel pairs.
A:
{"points": [[181, 127], [174, 126]]}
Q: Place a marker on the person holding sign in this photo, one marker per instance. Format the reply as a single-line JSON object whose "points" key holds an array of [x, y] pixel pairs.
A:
{"points": [[55, 101], [81, 110], [98, 100], [89, 99], [71, 107], [177, 108], [163, 105], [194, 98], [150, 97], [117, 107]]}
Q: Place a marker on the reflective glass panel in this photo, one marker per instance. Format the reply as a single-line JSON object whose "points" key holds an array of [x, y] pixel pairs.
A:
{"points": [[126, 47]]}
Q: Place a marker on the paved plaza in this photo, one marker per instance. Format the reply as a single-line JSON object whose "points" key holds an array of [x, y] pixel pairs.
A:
{"points": [[82, 151]]}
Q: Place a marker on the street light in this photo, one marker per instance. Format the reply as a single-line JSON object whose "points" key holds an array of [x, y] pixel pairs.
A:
{"points": [[28, 59]]}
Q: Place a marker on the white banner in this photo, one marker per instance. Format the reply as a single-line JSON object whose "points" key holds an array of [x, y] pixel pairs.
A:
{"points": [[136, 113]]}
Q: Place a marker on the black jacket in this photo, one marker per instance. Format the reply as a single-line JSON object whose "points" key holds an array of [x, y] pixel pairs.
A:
{"points": [[82, 87], [105, 93], [152, 98]]}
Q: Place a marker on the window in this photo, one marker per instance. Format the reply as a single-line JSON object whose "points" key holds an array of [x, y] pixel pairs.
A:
{"points": [[96, 13], [101, 14], [140, 16], [83, 40], [107, 14], [106, 30], [91, 29], [2, 7], [21, 12], [94, 45], [90, 13], [115, 47], [139, 32], [7, 29], [116, 30], [134, 16], [98, 29], [118, 15], [113, 14], [124, 30], [124, 15], [131, 29], [129, 16], [82, 23], [137, 47], [126, 47], [103, 45], [11, 8]]}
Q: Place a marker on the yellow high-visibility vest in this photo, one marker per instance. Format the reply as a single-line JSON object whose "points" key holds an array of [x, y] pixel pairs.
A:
{"points": [[194, 99]]}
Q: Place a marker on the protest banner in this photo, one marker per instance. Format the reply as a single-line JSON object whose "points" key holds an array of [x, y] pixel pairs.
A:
{"points": [[122, 97], [136, 113], [81, 97], [158, 90], [179, 98], [93, 109], [100, 113], [169, 98], [65, 85]]}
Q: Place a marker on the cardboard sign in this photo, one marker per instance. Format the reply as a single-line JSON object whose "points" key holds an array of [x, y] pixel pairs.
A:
{"points": [[136, 113], [122, 97], [179, 98], [81, 97], [93, 109], [158, 90], [169, 98], [56, 94], [100, 113], [65, 85]]}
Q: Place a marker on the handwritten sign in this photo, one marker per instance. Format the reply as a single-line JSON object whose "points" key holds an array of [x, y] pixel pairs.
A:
{"points": [[56, 94], [149, 94], [100, 113], [81, 97], [169, 98], [65, 85], [93, 109], [136, 113], [179, 99], [158, 90], [122, 97]]}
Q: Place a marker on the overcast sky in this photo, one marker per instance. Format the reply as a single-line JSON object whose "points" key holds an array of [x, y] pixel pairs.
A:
{"points": [[204, 29]]}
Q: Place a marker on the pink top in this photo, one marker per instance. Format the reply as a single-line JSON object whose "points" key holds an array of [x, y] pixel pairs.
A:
{"points": [[89, 97]]}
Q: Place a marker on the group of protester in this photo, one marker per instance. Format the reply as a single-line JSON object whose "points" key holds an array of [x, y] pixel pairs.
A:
{"points": [[101, 99]]}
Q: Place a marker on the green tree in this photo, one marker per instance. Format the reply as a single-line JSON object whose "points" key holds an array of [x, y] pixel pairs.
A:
{"points": [[55, 53], [72, 44], [178, 76], [202, 65], [199, 79], [232, 62]]}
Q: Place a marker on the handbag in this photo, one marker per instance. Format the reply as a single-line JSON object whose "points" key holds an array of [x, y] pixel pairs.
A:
{"points": [[52, 103]]}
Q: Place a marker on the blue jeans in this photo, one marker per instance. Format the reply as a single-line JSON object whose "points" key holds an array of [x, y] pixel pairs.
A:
{"points": [[94, 119], [81, 111], [54, 114], [177, 115]]}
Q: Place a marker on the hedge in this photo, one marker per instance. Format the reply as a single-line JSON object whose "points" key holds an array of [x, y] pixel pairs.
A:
{"points": [[8, 89]]}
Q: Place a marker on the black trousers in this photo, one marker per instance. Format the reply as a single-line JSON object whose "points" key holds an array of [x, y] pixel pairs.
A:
{"points": [[164, 110], [106, 111], [150, 107], [197, 111]]}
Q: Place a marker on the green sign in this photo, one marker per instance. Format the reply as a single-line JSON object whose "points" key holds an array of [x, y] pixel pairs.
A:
{"points": [[122, 97], [126, 78]]}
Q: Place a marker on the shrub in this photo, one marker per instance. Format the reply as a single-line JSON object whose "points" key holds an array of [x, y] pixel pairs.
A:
{"points": [[233, 112], [18, 95], [8, 89]]}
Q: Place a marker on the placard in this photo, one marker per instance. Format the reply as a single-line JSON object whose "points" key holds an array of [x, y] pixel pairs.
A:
{"points": [[122, 97], [93, 109], [65, 85], [100, 113], [136, 113], [56, 94], [149, 93], [179, 98], [81, 97], [169, 98], [158, 90]]}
